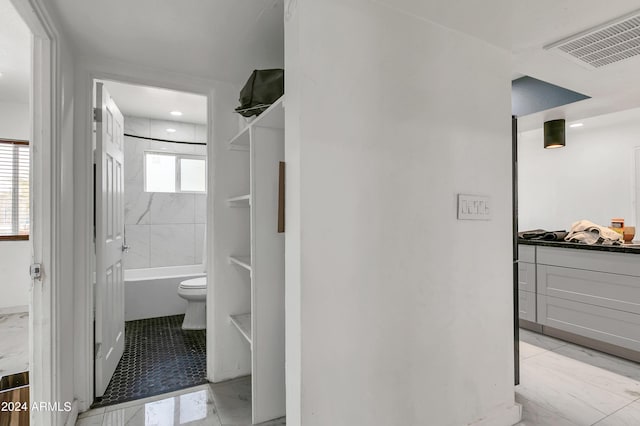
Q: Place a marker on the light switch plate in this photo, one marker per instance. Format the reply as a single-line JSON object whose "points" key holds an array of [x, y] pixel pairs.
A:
{"points": [[474, 207]]}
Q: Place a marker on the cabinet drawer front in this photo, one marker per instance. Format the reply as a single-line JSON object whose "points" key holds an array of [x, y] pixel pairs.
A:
{"points": [[621, 292], [526, 253], [527, 305], [527, 276], [591, 260], [608, 325]]}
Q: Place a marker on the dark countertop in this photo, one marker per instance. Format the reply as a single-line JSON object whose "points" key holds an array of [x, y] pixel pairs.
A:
{"points": [[627, 248]]}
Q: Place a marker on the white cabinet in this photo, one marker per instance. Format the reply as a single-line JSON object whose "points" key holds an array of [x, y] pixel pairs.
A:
{"points": [[527, 282], [527, 276], [251, 301], [527, 305], [595, 294], [614, 291], [590, 260], [527, 253], [596, 322]]}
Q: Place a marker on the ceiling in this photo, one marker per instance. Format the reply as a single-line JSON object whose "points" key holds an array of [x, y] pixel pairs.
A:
{"points": [[524, 27], [152, 102], [15, 52], [486, 20], [542, 22], [226, 39], [219, 39]]}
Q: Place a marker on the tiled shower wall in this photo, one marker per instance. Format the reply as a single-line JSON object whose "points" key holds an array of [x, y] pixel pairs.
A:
{"points": [[162, 229]]}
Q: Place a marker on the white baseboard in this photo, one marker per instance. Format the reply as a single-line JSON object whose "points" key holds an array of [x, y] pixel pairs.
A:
{"points": [[14, 310], [504, 415]]}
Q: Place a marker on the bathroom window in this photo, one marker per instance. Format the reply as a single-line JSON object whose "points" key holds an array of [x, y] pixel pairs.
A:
{"points": [[14, 190], [169, 172]]}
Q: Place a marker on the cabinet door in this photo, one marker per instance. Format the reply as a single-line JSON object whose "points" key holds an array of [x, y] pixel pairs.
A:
{"points": [[590, 260], [527, 276], [613, 291], [526, 253], [604, 324], [527, 305]]}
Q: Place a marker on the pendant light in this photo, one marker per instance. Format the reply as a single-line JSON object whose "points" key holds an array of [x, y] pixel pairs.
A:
{"points": [[554, 134]]}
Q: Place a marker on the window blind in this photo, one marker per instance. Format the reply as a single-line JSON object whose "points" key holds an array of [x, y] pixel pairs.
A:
{"points": [[14, 189]]}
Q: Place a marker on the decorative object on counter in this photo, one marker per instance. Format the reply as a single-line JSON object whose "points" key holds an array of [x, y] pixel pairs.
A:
{"points": [[617, 224], [628, 233], [541, 234], [263, 88], [554, 134], [588, 232]]}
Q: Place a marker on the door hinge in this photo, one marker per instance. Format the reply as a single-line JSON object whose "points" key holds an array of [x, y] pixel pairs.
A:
{"points": [[97, 115], [96, 349], [35, 271]]}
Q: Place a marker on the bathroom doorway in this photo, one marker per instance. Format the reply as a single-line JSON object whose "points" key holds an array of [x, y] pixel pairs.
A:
{"points": [[150, 205]]}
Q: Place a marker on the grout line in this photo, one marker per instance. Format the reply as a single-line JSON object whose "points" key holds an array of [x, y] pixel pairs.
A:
{"points": [[540, 408], [587, 351], [611, 414], [91, 413], [213, 401], [533, 356], [544, 350]]}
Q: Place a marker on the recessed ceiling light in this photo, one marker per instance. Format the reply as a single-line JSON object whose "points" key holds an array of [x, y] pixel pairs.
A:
{"points": [[576, 125], [176, 113], [0, 74], [171, 130]]}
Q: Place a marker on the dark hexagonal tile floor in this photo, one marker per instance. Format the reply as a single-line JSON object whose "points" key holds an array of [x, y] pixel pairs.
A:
{"points": [[158, 357]]}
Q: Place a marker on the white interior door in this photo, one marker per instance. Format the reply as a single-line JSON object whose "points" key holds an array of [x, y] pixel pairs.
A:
{"points": [[109, 326]]}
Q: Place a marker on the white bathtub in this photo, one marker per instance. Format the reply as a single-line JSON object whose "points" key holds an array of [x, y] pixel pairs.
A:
{"points": [[153, 292]]}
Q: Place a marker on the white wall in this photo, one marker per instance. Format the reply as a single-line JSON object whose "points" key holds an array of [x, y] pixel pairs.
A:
{"points": [[405, 312], [15, 256], [592, 177], [162, 229], [14, 121]]}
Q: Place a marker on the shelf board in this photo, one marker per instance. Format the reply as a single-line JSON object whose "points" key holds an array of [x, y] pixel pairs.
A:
{"points": [[243, 324], [240, 142], [242, 261], [241, 201], [272, 117]]}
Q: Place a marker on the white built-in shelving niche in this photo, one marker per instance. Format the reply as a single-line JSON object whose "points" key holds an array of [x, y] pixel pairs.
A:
{"points": [[262, 328]]}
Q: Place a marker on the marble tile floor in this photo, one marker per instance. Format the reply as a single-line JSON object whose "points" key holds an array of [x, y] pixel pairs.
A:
{"points": [[223, 404], [562, 384], [14, 343]]}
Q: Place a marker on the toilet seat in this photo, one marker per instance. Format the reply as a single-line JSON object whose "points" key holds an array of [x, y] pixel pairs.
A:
{"points": [[194, 283]]}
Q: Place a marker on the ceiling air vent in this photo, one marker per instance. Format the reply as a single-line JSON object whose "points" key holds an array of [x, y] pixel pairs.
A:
{"points": [[603, 45]]}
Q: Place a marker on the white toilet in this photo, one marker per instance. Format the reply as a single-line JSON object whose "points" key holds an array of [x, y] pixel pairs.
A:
{"points": [[194, 291]]}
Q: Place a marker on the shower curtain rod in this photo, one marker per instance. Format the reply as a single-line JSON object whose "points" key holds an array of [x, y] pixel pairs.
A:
{"points": [[165, 140]]}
